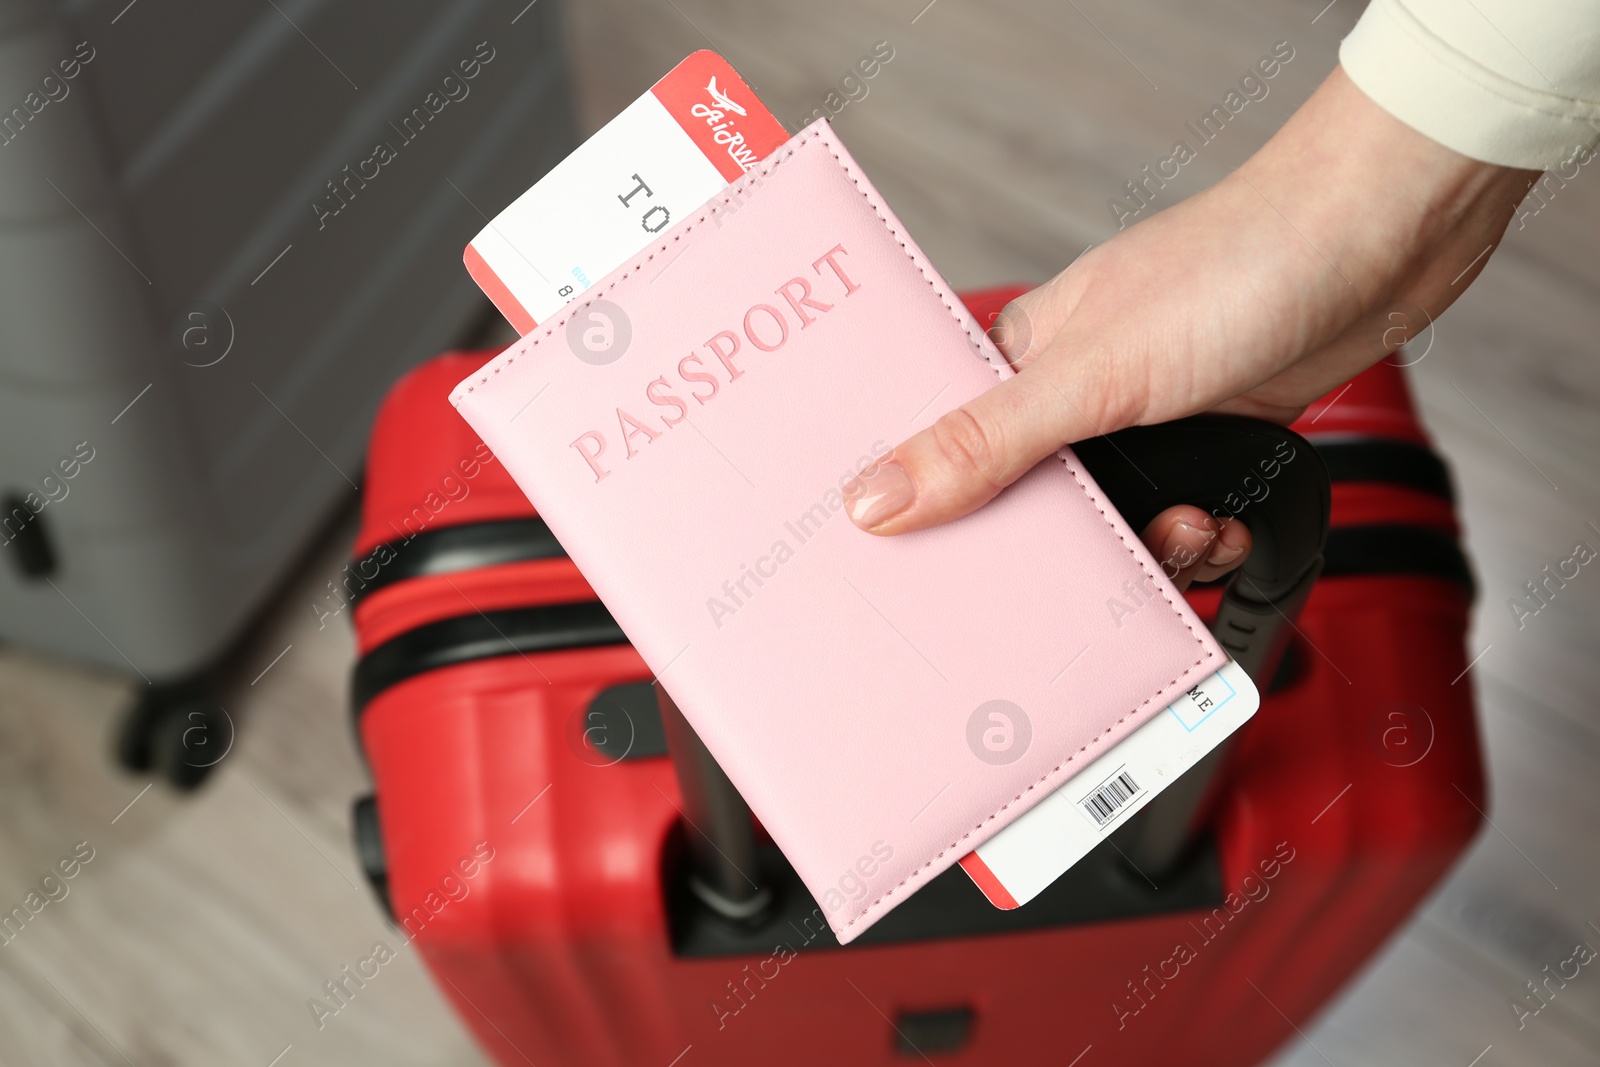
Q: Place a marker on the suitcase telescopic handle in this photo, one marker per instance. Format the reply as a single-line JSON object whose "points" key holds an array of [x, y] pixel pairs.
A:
{"points": [[720, 837], [1271, 479], [1263, 474]]}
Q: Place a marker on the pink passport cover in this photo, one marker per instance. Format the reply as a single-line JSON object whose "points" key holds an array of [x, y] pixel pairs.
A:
{"points": [[836, 676]]}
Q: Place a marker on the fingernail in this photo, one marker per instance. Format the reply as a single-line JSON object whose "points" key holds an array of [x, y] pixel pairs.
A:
{"points": [[1223, 554], [879, 495], [1185, 546]]}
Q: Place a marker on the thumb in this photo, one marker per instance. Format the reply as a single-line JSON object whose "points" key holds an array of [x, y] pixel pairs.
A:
{"points": [[966, 457]]}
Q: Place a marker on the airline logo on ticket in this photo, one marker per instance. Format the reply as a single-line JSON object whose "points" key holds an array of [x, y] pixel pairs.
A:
{"points": [[667, 153]]}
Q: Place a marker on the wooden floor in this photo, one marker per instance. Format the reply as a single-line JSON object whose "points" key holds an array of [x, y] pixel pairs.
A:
{"points": [[999, 129]]}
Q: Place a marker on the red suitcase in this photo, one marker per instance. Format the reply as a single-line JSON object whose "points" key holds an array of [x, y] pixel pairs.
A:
{"points": [[529, 828]]}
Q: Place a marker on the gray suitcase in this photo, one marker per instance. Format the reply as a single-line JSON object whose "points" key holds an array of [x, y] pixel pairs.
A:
{"points": [[225, 229]]}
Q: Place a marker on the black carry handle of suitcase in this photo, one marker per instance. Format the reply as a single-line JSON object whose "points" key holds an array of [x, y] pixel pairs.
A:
{"points": [[1271, 479], [1263, 474]]}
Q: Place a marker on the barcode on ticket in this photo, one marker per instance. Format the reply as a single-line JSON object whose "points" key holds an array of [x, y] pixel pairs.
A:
{"points": [[1104, 803]]}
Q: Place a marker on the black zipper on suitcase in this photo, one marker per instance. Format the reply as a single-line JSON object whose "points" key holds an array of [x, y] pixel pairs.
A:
{"points": [[480, 636], [452, 549]]}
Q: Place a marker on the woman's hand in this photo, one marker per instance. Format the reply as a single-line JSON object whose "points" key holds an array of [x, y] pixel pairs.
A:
{"points": [[1254, 297]]}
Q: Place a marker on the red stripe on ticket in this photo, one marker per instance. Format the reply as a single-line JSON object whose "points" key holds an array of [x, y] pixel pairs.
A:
{"points": [[986, 881], [496, 291]]}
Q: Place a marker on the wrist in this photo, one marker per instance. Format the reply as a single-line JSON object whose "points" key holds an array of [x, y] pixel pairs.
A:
{"points": [[1378, 199]]}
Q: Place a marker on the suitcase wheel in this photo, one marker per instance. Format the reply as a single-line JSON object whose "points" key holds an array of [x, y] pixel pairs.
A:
{"points": [[176, 734]]}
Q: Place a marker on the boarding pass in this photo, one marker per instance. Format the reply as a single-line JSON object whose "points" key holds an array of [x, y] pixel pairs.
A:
{"points": [[1039, 846], [667, 153]]}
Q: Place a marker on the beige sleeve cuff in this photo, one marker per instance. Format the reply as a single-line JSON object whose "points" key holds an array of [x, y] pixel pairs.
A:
{"points": [[1514, 83]]}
